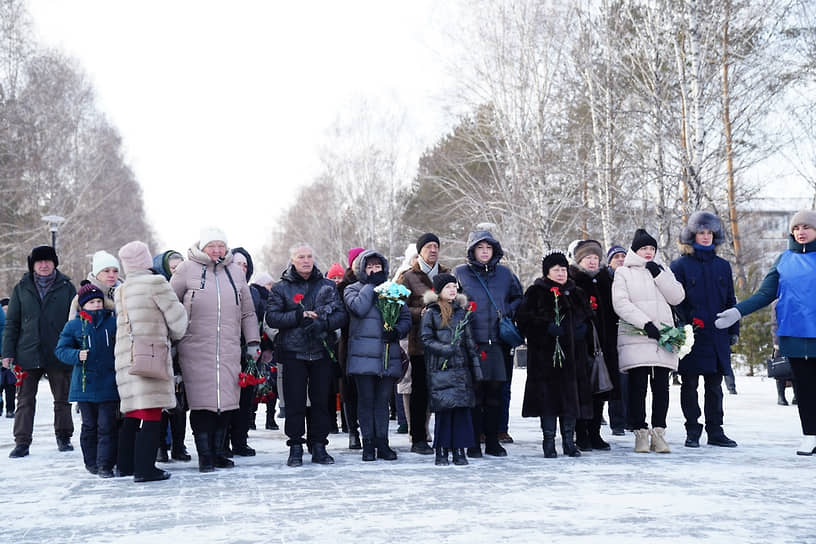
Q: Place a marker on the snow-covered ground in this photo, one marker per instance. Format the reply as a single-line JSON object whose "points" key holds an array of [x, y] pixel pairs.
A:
{"points": [[758, 492]]}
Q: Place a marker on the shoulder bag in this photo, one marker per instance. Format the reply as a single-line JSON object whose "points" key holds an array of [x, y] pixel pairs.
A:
{"points": [[149, 359], [599, 375], [508, 332]]}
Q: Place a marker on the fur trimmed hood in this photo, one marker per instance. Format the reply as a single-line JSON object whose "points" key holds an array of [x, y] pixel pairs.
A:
{"points": [[702, 220], [430, 297]]}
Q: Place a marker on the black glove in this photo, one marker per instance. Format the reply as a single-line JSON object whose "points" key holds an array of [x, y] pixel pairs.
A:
{"points": [[555, 330], [654, 268], [580, 330], [377, 278], [315, 327], [390, 336], [651, 331], [734, 339], [299, 314]]}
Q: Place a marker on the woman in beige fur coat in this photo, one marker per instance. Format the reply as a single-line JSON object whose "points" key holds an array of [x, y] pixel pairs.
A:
{"points": [[147, 308], [642, 293], [216, 296]]}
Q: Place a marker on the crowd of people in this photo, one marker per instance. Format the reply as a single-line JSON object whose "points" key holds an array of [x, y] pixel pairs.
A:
{"points": [[200, 335]]}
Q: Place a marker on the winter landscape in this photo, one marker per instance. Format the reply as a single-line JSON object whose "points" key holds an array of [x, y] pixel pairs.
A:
{"points": [[759, 492]]}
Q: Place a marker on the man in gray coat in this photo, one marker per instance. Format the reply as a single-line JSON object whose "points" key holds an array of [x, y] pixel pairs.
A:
{"points": [[37, 312]]}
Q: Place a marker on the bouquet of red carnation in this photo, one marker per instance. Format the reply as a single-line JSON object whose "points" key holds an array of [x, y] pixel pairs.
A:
{"points": [[252, 376], [266, 392], [20, 374]]}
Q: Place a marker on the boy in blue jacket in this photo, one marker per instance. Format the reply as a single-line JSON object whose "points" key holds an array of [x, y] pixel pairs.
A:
{"points": [[87, 343]]}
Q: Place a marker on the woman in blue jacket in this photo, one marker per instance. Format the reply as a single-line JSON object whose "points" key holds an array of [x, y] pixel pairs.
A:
{"points": [[86, 343], [365, 361], [709, 286], [792, 279]]}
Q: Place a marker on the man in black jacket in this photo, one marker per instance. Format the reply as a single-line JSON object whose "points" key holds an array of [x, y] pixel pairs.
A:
{"points": [[306, 309], [37, 312]]}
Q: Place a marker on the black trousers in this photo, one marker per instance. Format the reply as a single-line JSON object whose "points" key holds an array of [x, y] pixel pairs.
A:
{"points": [[60, 382], [804, 375], [239, 419], [98, 437], [301, 377], [712, 403], [419, 398], [373, 397], [640, 378], [348, 391], [488, 411]]}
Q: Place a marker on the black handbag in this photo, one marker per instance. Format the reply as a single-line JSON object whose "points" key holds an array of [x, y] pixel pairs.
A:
{"points": [[779, 368], [508, 332], [599, 377]]}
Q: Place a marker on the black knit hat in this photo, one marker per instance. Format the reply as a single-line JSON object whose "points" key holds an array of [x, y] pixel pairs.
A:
{"points": [[441, 280], [88, 291], [642, 239], [553, 258], [42, 253], [425, 239]]}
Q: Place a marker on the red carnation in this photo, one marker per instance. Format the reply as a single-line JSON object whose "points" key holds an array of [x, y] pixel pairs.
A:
{"points": [[86, 316], [593, 302], [555, 291], [471, 307], [697, 323], [298, 298], [482, 355]]}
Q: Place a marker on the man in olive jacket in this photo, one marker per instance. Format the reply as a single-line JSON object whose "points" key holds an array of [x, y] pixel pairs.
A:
{"points": [[36, 314]]}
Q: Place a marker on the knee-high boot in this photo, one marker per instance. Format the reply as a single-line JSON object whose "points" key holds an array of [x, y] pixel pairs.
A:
{"points": [[219, 444], [567, 440], [548, 424], [178, 428], [127, 440], [147, 441]]}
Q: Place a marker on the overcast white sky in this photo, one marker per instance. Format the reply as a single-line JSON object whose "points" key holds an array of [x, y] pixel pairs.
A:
{"points": [[223, 105]]}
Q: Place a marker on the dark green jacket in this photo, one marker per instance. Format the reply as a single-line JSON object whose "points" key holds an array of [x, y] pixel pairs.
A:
{"points": [[33, 326]]}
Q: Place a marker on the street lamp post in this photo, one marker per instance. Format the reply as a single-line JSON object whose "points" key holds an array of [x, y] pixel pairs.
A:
{"points": [[54, 221]]}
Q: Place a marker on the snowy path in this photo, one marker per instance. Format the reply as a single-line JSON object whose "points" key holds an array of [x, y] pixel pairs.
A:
{"points": [[758, 492]]}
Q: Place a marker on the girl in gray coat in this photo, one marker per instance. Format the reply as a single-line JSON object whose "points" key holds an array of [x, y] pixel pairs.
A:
{"points": [[368, 338]]}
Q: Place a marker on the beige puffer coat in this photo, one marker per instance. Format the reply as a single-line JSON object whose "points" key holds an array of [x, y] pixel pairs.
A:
{"points": [[218, 310], [638, 298], [155, 313]]}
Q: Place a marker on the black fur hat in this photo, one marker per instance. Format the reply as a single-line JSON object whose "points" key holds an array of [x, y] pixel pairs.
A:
{"points": [[42, 253], [441, 280], [699, 221], [553, 258]]}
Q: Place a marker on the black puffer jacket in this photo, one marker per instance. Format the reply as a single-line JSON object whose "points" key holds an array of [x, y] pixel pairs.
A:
{"points": [[33, 326], [283, 313], [452, 387]]}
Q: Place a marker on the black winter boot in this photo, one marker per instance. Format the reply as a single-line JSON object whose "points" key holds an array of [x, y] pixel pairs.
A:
{"points": [[459, 457], [368, 450], [271, 424], [147, 441], [178, 428], [320, 455], [162, 456], [441, 456], [548, 425], [204, 450], [295, 455], [219, 445], [595, 439], [582, 435], [354, 440], [127, 444], [780, 392], [492, 446], [474, 452], [567, 442], [693, 432], [383, 450]]}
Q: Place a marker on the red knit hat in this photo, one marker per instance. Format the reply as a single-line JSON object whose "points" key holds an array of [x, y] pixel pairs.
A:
{"points": [[335, 271]]}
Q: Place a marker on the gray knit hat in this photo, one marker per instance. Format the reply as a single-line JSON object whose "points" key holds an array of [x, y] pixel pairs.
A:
{"points": [[803, 217]]}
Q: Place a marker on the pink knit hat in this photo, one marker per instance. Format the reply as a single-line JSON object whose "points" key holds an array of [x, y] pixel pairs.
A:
{"points": [[135, 256], [353, 252]]}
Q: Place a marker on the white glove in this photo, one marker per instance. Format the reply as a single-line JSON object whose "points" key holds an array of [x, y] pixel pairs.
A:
{"points": [[254, 351], [727, 318]]}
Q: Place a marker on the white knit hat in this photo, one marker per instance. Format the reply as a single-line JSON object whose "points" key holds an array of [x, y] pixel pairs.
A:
{"points": [[211, 234], [103, 260]]}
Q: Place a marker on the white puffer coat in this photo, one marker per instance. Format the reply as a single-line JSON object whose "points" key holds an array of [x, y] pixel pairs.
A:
{"points": [[154, 313], [638, 298]]}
